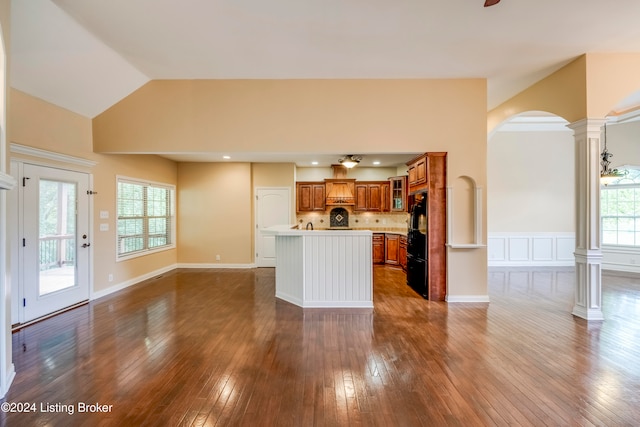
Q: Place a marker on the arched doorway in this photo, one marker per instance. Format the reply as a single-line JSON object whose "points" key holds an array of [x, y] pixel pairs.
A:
{"points": [[531, 177]]}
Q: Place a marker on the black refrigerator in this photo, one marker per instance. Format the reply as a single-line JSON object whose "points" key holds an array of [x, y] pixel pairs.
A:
{"points": [[417, 253]]}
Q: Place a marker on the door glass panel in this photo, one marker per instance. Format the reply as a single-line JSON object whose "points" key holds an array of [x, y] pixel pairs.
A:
{"points": [[57, 219]]}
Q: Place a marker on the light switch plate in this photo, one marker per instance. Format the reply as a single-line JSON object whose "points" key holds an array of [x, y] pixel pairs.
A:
{"points": [[104, 227], [104, 214]]}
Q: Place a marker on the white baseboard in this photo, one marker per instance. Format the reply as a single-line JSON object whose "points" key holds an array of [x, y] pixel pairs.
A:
{"points": [[215, 265], [120, 286], [531, 249], [625, 259], [626, 268], [467, 298]]}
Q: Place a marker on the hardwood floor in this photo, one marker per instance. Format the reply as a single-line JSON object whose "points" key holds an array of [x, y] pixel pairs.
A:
{"points": [[214, 347]]}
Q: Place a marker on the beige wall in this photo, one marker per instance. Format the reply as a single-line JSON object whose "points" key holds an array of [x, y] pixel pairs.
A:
{"points": [[358, 116], [532, 181], [589, 87], [216, 205], [563, 93], [215, 209], [610, 79], [38, 124], [294, 115]]}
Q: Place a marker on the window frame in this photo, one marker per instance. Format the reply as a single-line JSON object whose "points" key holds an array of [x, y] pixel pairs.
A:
{"points": [[171, 216], [623, 183]]}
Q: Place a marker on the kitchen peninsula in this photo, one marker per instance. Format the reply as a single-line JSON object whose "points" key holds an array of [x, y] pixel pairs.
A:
{"points": [[324, 268]]}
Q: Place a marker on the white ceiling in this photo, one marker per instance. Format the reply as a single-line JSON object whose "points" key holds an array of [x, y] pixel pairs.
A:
{"points": [[86, 55]]}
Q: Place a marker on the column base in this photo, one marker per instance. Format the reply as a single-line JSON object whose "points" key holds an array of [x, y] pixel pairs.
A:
{"points": [[590, 314], [588, 289]]}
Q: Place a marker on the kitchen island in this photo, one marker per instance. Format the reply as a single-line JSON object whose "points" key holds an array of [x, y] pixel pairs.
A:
{"points": [[324, 268]]}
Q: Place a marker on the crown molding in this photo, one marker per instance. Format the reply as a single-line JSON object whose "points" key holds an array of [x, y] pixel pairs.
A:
{"points": [[534, 124], [50, 155], [630, 116]]}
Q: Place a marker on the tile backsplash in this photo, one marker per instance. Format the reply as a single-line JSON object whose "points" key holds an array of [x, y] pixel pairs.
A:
{"points": [[387, 221]]}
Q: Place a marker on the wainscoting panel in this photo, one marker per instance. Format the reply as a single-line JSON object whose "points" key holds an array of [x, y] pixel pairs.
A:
{"points": [[625, 259], [531, 249]]}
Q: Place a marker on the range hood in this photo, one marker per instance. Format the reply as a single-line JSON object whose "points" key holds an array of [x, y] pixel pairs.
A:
{"points": [[340, 189]]}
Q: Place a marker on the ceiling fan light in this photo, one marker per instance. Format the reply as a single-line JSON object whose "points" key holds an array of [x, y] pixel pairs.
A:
{"points": [[349, 161]]}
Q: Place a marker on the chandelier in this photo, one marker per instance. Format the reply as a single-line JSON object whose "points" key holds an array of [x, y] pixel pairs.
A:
{"points": [[608, 175]]}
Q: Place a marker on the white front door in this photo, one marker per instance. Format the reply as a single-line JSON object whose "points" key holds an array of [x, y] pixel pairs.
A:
{"points": [[273, 207], [55, 240]]}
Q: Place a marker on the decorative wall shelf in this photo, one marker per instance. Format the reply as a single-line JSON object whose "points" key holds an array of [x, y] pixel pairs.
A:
{"points": [[477, 220]]}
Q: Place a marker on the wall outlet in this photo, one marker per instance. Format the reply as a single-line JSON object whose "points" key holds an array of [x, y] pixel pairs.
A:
{"points": [[111, 277], [217, 257]]}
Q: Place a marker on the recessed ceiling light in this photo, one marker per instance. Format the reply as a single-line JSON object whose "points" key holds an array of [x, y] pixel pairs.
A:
{"points": [[226, 157], [376, 162], [314, 163]]}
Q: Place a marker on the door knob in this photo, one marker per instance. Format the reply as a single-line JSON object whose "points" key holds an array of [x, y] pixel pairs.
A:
{"points": [[86, 245]]}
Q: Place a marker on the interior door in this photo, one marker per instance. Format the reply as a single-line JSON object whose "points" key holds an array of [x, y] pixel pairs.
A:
{"points": [[273, 207], [55, 240]]}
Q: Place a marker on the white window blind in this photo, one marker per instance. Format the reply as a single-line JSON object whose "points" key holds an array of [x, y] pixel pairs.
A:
{"points": [[145, 217]]}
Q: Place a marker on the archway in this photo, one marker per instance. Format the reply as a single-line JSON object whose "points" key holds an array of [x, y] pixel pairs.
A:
{"points": [[531, 176]]}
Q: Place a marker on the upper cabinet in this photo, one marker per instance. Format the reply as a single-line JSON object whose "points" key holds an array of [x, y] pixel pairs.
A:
{"points": [[310, 196], [398, 193], [418, 174], [372, 196]]}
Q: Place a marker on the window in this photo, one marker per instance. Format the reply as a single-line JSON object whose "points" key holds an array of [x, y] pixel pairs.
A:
{"points": [[145, 217], [620, 210]]}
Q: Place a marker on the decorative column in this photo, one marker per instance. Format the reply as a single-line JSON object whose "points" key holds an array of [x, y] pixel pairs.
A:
{"points": [[588, 254]]}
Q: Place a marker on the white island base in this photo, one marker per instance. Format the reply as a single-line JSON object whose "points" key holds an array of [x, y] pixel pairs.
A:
{"points": [[324, 268]]}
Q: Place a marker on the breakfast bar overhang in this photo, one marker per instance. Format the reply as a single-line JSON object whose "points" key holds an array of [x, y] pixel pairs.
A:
{"points": [[324, 268]]}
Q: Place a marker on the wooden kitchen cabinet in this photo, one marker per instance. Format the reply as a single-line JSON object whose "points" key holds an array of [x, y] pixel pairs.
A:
{"points": [[372, 196], [361, 197], [403, 252], [310, 196], [398, 194], [378, 248], [392, 249], [428, 176], [418, 173]]}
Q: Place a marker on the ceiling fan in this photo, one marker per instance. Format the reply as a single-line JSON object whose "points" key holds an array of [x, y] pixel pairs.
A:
{"points": [[488, 3]]}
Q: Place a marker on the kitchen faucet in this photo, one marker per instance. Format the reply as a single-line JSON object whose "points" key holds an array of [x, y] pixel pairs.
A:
{"points": [[309, 224]]}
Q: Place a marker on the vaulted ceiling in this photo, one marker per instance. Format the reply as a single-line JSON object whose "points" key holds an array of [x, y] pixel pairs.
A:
{"points": [[86, 55]]}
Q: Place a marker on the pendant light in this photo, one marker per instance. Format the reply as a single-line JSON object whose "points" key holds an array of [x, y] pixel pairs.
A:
{"points": [[608, 175], [350, 161]]}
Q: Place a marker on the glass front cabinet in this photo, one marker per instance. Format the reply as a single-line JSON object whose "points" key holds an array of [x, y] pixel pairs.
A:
{"points": [[398, 193]]}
